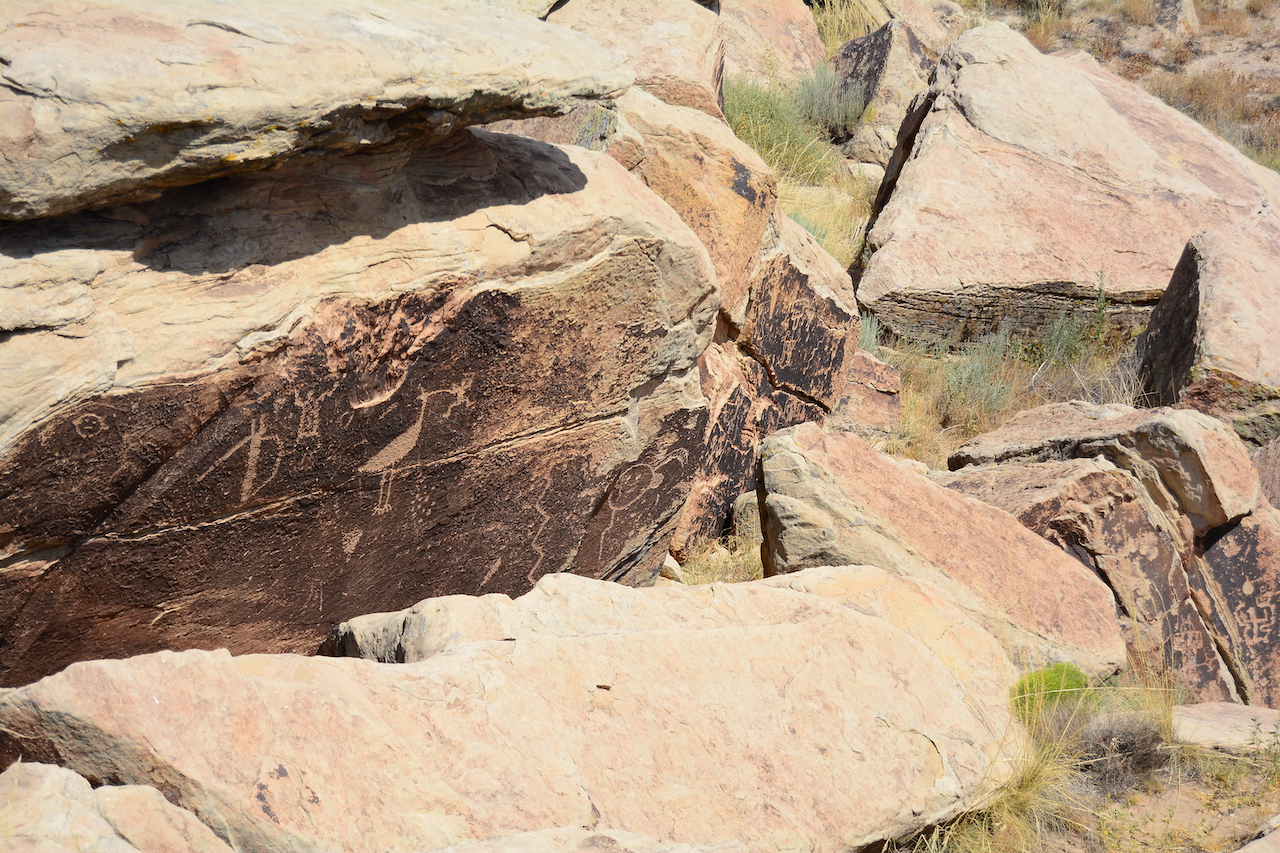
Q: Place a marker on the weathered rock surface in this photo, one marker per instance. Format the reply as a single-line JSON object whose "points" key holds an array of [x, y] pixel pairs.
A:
{"points": [[774, 41], [891, 66], [575, 840], [1212, 343], [473, 362], [1075, 179], [830, 499], [110, 104], [1103, 517], [1189, 462], [1267, 463], [1225, 724], [1178, 17], [49, 809], [1169, 511], [822, 711], [676, 48], [870, 404]]}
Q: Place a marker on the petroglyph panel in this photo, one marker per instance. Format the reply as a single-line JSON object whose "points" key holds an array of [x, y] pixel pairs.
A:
{"points": [[1245, 564], [513, 368]]}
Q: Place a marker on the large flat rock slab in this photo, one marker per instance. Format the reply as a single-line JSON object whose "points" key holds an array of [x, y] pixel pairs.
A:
{"points": [[825, 711], [1212, 343], [1078, 183], [1225, 725], [292, 397], [830, 499], [107, 104]]}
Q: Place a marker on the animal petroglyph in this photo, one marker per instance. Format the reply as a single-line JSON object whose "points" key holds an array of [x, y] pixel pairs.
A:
{"points": [[387, 461]]}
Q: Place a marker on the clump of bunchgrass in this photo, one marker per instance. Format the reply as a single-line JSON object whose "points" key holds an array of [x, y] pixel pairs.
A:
{"points": [[952, 392], [769, 120], [828, 104], [734, 559], [841, 21]]}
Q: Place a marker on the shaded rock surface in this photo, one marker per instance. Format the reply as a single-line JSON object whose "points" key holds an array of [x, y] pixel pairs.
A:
{"points": [[1077, 181], [1267, 462], [1165, 505], [474, 362], [676, 48], [110, 104], [1212, 342], [770, 40], [49, 809], [825, 710], [891, 67], [829, 498]]}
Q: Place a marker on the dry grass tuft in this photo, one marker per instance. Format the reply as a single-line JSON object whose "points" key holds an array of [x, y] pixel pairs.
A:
{"points": [[1140, 12], [952, 393], [1245, 111], [732, 560], [841, 21]]}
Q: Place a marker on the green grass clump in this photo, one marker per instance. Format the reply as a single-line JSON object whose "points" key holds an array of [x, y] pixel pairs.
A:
{"points": [[829, 106], [769, 119], [1043, 695]]}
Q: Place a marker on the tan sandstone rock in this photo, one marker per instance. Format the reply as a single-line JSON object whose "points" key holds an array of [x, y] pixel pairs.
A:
{"points": [[1189, 462], [1102, 516], [109, 104], [1194, 522], [47, 809], [891, 66], [336, 388], [1211, 344], [823, 711], [577, 840], [1267, 462], [675, 47], [1031, 182], [774, 41], [830, 499]]}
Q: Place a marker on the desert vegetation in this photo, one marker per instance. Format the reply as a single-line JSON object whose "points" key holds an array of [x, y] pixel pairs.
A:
{"points": [[1102, 770], [794, 128]]}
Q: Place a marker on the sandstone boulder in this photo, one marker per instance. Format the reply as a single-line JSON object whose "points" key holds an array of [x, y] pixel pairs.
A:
{"points": [[774, 41], [1225, 725], [1102, 516], [784, 350], [1178, 17], [577, 840], [330, 389], [676, 48], [891, 66], [1080, 184], [1190, 463], [824, 711], [1211, 344], [1168, 510], [110, 104], [830, 499], [49, 809]]}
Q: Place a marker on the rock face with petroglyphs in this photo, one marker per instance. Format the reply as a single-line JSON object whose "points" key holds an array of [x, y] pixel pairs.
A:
{"points": [[1163, 505], [249, 408]]}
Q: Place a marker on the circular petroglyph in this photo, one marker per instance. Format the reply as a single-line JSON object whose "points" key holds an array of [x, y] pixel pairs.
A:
{"points": [[90, 425]]}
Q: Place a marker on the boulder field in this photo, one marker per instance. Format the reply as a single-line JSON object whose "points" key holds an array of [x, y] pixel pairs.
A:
{"points": [[361, 365]]}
